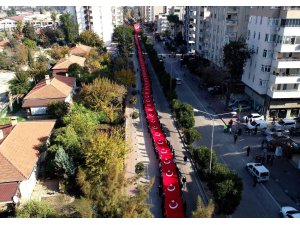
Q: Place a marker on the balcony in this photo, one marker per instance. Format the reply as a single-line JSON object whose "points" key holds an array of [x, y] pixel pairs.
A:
{"points": [[286, 63], [286, 47], [283, 93], [284, 79], [232, 10], [231, 22]]}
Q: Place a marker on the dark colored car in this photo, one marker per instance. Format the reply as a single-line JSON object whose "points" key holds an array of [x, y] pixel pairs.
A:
{"points": [[294, 131], [216, 90]]}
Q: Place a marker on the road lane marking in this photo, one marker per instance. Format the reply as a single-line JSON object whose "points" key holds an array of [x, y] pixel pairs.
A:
{"points": [[271, 196]]}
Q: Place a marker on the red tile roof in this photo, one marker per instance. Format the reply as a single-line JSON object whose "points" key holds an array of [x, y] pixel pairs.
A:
{"points": [[6, 129], [7, 191], [80, 50], [16, 18], [59, 88], [19, 151], [64, 63]]}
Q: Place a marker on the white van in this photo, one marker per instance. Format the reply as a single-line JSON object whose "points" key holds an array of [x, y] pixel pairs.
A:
{"points": [[259, 124], [178, 80], [286, 124], [259, 171]]}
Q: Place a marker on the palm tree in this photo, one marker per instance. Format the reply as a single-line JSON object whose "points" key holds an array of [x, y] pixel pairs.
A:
{"points": [[20, 84], [53, 17]]}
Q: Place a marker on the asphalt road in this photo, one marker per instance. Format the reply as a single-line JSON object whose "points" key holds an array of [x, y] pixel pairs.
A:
{"points": [[262, 201]]}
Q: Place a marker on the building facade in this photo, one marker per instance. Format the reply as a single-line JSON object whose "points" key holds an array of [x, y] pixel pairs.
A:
{"points": [[272, 74], [162, 23], [189, 27], [220, 25], [150, 13], [101, 19]]}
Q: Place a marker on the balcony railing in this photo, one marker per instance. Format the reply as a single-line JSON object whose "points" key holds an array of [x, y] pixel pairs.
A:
{"points": [[286, 75], [288, 59]]}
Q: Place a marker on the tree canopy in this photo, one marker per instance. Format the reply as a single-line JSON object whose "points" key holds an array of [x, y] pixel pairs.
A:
{"points": [[28, 31], [34, 209], [125, 77], [20, 84], [69, 27], [123, 35], [90, 38]]}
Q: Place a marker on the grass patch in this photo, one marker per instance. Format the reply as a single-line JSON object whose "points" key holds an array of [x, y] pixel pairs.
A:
{"points": [[7, 120]]}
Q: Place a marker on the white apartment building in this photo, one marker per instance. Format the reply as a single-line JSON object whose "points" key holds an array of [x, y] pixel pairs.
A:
{"points": [[100, 19], [272, 75], [222, 25], [189, 24], [162, 23], [176, 10]]}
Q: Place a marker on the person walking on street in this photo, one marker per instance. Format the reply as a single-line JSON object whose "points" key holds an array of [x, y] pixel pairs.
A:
{"points": [[254, 181], [185, 159], [248, 150], [235, 138], [225, 128], [184, 182], [229, 128]]}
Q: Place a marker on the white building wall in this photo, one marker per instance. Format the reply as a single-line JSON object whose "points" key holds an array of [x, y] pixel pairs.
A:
{"points": [[7, 24], [26, 187], [38, 110]]}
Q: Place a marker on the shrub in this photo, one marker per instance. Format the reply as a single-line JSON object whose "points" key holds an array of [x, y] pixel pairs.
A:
{"points": [[58, 109], [34, 209], [135, 115], [133, 100], [191, 135], [139, 168]]}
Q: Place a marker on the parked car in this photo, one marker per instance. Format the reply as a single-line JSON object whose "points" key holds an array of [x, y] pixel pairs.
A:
{"points": [[286, 123], [243, 107], [259, 171], [295, 131], [276, 130], [289, 212], [237, 101], [288, 145], [178, 80], [253, 116], [260, 124], [215, 90]]}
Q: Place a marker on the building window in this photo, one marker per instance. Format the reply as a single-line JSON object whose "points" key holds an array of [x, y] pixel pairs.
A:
{"points": [[273, 21], [249, 76], [263, 83], [265, 53], [284, 86], [295, 87], [261, 19], [265, 68], [257, 50], [278, 87], [290, 23], [267, 37], [294, 112], [258, 36], [270, 54], [254, 35], [256, 19], [248, 35]]}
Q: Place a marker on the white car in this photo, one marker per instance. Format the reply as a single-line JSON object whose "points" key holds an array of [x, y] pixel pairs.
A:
{"points": [[259, 124], [286, 123], [253, 116], [178, 80], [289, 212]]}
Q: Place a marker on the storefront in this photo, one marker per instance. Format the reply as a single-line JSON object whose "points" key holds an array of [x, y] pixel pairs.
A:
{"points": [[284, 108]]}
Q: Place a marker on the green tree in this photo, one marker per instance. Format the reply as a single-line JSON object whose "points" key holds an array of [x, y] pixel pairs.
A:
{"points": [[29, 43], [125, 77], [63, 164], [28, 31], [69, 27], [20, 83], [75, 70], [83, 208], [235, 55], [57, 52], [123, 35], [53, 18], [203, 211], [184, 114], [11, 11], [30, 59], [191, 135], [90, 38], [17, 34], [58, 109], [38, 69], [34, 209], [201, 157], [103, 95]]}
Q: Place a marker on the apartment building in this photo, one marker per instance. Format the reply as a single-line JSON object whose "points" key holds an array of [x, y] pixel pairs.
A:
{"points": [[202, 31], [178, 27], [189, 30], [150, 13], [162, 23], [176, 10], [272, 74], [220, 25], [100, 19]]}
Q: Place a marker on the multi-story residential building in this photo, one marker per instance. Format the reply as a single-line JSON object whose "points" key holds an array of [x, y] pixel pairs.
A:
{"points": [[202, 31], [189, 34], [272, 74], [176, 10], [223, 25], [178, 27], [100, 19], [162, 22], [150, 13]]}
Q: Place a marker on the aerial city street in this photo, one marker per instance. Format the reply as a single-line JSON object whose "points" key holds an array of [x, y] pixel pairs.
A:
{"points": [[149, 112]]}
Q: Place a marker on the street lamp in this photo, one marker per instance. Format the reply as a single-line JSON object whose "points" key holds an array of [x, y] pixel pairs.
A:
{"points": [[212, 117]]}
